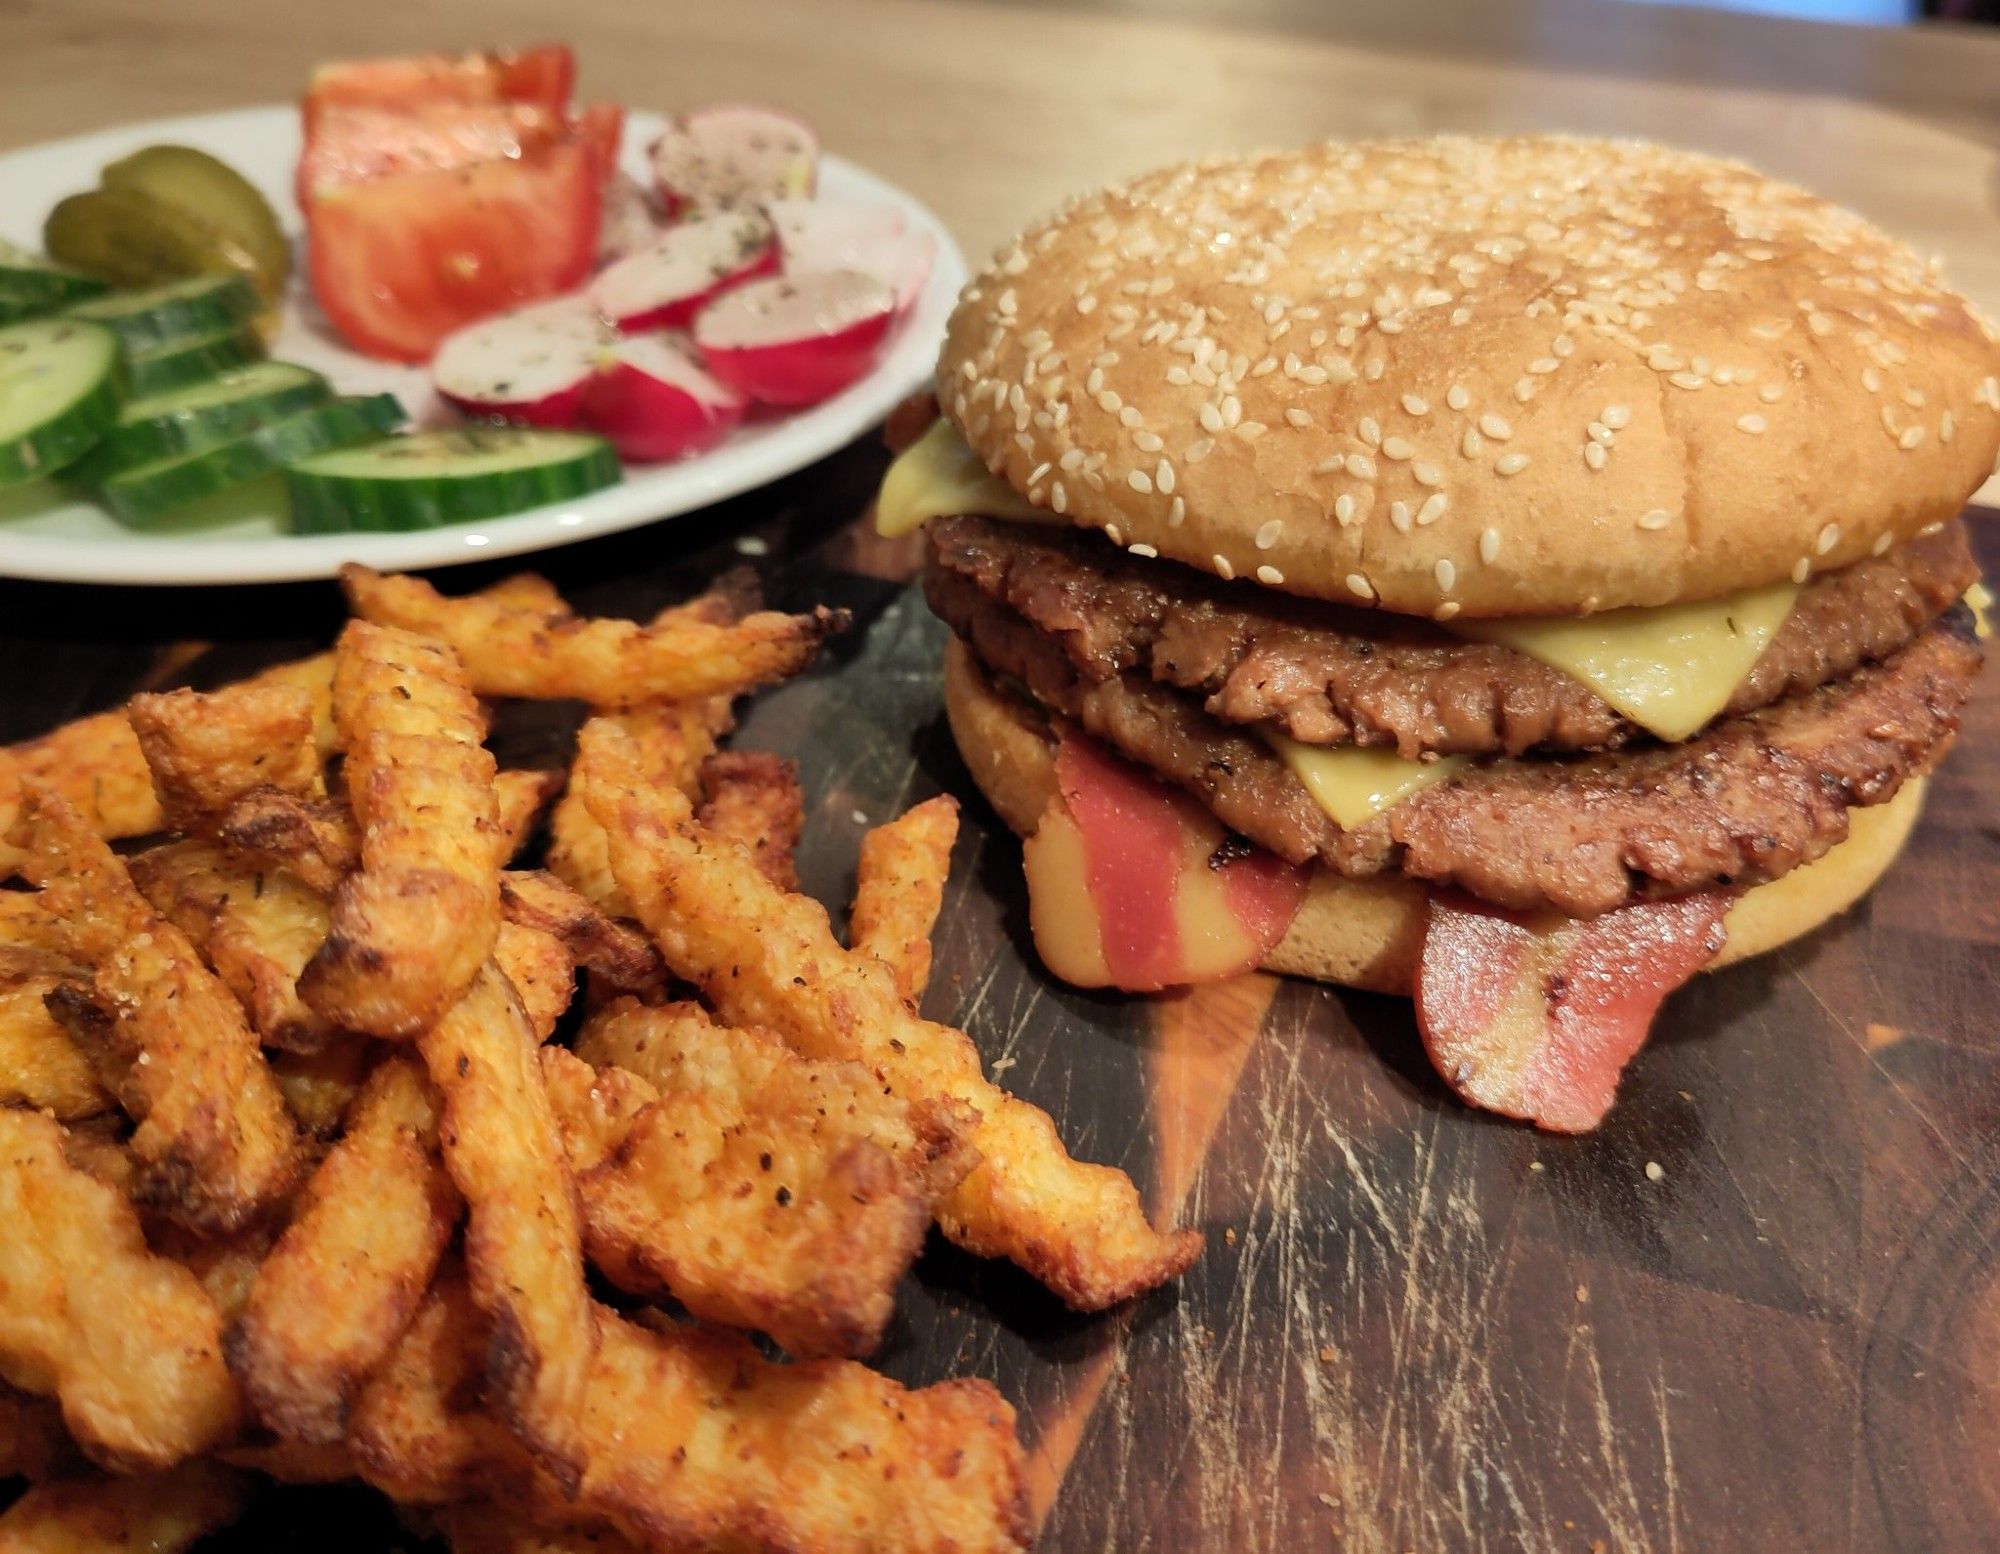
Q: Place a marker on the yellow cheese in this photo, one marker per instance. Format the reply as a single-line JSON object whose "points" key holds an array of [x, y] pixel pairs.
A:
{"points": [[1353, 784], [1669, 669], [1979, 600], [938, 476]]}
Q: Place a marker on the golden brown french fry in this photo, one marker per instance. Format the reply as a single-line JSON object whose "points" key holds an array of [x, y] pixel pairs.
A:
{"points": [[899, 890], [509, 651], [346, 1277], [40, 1066], [613, 949], [215, 1144], [25, 923], [294, 1462], [760, 1189], [519, 798], [413, 925], [542, 972], [523, 1238], [320, 1086], [207, 749], [96, 1146], [33, 1443], [226, 1265], [765, 958], [753, 797], [128, 1342], [256, 925], [161, 1513], [481, 1527]]}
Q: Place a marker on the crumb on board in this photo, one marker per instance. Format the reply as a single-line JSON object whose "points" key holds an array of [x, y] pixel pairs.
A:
{"points": [[1229, 1235], [1583, 1294], [1655, 1171], [1325, 1358]]}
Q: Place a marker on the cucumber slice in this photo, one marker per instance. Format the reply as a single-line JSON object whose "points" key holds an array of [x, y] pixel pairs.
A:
{"points": [[202, 415], [430, 479], [58, 393], [27, 277], [144, 496], [179, 310], [181, 362]]}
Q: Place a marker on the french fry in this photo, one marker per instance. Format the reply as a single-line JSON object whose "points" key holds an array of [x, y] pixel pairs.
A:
{"points": [[215, 1144], [753, 797], [523, 1238], [482, 1527], [519, 798], [257, 926], [226, 1265], [765, 958], [612, 949], [899, 891], [510, 651], [758, 1188], [128, 1342], [40, 1067], [207, 749], [412, 926], [161, 1513], [33, 1443], [96, 1147], [25, 924], [320, 1086], [542, 972], [294, 1462], [346, 1277]]}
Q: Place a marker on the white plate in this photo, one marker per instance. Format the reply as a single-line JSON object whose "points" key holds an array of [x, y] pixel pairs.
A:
{"points": [[76, 542]]}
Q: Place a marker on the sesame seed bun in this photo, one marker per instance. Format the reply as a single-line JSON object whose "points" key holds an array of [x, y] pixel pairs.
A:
{"points": [[1368, 933], [1491, 377]]}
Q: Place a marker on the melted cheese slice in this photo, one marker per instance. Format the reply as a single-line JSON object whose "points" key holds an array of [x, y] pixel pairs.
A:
{"points": [[1669, 669], [939, 476], [1353, 784]]}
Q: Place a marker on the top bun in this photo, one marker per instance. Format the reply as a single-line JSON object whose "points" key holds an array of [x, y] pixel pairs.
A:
{"points": [[1498, 377]]}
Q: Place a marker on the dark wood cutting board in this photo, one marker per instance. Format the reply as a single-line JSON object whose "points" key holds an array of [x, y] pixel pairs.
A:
{"points": [[1759, 1309]]}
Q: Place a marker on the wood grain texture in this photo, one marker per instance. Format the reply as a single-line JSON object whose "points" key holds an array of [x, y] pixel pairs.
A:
{"points": [[1415, 1327]]}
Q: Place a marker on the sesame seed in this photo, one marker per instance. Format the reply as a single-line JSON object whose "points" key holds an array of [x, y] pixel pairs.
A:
{"points": [[1594, 455], [1426, 475], [1332, 466], [1472, 443], [1542, 366], [1871, 380], [1912, 435], [1750, 423], [1360, 466], [1828, 538], [1163, 477], [1343, 509], [1496, 427], [1035, 475], [1114, 534], [1232, 410], [1177, 514], [1109, 402], [1658, 518], [1770, 393], [1415, 404], [1144, 552], [1819, 323], [1006, 301], [1058, 498], [1370, 431], [1198, 450], [1359, 586], [1445, 611], [1597, 431], [1510, 464], [1222, 567], [1297, 417], [1947, 427], [1270, 576], [1687, 380], [1616, 416], [1211, 418], [1445, 573], [1882, 544], [1801, 569], [1140, 482], [1401, 516], [1267, 535], [1433, 509], [1489, 546], [1147, 442], [1129, 417], [1398, 448], [1457, 397]]}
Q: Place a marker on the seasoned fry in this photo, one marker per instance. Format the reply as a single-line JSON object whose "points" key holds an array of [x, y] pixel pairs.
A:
{"points": [[612, 949], [413, 925], [523, 1238], [485, 1528], [320, 1086], [768, 959], [96, 1147], [510, 651], [899, 890], [207, 749], [519, 798], [542, 971], [162, 1513], [753, 798], [33, 1443], [128, 1342], [257, 926], [25, 923], [758, 1188], [345, 1279], [40, 1066], [294, 1462], [215, 1145]]}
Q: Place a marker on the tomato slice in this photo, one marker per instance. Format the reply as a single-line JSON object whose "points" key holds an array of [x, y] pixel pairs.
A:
{"points": [[602, 126], [544, 75], [353, 145], [400, 262]]}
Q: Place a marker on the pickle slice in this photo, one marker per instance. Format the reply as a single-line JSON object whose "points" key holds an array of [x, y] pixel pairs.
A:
{"points": [[133, 239], [218, 196]]}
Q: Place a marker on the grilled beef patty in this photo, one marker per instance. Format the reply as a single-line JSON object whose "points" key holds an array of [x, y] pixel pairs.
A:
{"points": [[1749, 799], [1327, 675]]}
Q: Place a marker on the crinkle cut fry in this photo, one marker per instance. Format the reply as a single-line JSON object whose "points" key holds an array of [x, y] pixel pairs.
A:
{"points": [[129, 1343], [206, 749], [605, 945], [509, 651], [760, 1189], [215, 1143], [899, 891], [768, 959], [344, 1280], [40, 1067], [413, 925], [160, 1513], [524, 1234], [753, 797]]}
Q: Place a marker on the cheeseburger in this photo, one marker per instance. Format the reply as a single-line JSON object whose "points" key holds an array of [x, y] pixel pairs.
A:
{"points": [[1516, 574]]}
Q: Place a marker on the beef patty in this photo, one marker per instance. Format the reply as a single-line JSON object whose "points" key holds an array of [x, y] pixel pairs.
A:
{"points": [[1749, 799], [1328, 675]]}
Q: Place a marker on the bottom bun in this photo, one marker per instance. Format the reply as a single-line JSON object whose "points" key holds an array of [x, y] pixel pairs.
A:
{"points": [[1368, 933]]}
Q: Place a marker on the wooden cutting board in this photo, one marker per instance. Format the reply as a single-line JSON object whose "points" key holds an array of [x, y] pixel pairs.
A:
{"points": [[1759, 1309]]}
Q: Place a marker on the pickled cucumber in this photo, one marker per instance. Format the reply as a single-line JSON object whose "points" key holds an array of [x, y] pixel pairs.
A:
{"points": [[218, 196], [132, 239]]}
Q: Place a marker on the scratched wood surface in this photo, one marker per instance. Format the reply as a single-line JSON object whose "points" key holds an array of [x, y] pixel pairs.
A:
{"points": [[1760, 1309]]}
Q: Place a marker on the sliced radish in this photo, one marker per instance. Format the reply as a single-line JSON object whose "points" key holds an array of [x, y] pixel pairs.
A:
{"points": [[631, 220], [666, 283], [729, 155], [531, 365], [795, 339], [827, 235], [653, 402]]}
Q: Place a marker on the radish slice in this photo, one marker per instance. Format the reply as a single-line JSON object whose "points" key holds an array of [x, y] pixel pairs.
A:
{"points": [[795, 339], [730, 155], [630, 221], [531, 365], [827, 235], [654, 403], [665, 284]]}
